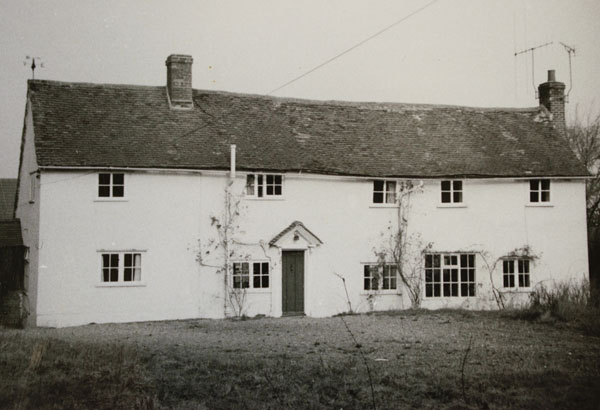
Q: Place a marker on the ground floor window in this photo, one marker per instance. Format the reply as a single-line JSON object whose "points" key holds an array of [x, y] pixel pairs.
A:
{"points": [[509, 272], [380, 277], [121, 267], [243, 271], [449, 275]]}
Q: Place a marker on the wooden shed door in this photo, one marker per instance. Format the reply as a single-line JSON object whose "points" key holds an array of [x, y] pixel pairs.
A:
{"points": [[293, 282]]}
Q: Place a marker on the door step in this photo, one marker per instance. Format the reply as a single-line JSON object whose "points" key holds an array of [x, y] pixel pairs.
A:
{"points": [[285, 314]]}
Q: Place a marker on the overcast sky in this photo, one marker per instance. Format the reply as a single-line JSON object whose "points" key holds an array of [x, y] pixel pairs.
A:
{"points": [[458, 52]]}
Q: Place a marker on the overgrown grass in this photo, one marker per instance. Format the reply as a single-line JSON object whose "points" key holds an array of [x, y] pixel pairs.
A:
{"points": [[571, 302], [52, 374], [419, 359]]}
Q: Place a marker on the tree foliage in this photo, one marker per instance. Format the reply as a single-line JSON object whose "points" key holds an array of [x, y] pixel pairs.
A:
{"points": [[584, 139]]}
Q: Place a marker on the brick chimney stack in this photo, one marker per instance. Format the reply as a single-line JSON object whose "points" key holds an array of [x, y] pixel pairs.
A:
{"points": [[552, 96], [179, 81]]}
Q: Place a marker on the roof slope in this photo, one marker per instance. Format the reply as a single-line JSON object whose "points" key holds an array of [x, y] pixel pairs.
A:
{"points": [[8, 190], [10, 233], [131, 126]]}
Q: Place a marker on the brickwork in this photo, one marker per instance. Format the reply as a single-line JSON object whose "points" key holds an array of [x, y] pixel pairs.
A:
{"points": [[552, 96], [179, 80]]}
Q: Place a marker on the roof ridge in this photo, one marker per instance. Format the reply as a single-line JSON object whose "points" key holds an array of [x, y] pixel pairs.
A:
{"points": [[367, 104], [96, 85], [378, 105]]}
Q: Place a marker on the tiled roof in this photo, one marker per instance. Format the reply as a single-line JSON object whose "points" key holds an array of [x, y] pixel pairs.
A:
{"points": [[88, 125], [8, 189], [10, 233]]}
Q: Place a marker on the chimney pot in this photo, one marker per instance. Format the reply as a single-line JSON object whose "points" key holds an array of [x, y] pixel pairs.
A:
{"points": [[551, 76], [179, 81]]}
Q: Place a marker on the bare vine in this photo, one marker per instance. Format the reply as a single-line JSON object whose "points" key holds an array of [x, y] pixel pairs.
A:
{"points": [[402, 250], [223, 248], [524, 252], [346, 290]]}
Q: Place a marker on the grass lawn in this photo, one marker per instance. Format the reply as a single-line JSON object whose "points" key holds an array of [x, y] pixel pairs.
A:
{"points": [[417, 359]]}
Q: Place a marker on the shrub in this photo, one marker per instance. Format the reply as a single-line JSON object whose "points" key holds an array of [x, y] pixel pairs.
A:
{"points": [[572, 302]]}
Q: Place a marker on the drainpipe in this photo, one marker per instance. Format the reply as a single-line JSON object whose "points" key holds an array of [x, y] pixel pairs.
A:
{"points": [[232, 162], [227, 222]]}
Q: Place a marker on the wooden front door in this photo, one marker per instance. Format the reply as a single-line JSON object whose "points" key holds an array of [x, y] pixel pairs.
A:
{"points": [[293, 282]]}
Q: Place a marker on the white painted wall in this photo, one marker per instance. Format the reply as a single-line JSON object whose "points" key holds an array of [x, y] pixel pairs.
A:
{"points": [[165, 214], [28, 211], [159, 216]]}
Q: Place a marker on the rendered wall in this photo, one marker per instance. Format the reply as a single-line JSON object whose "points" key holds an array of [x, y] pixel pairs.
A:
{"points": [[171, 218], [28, 211], [158, 217], [495, 219]]}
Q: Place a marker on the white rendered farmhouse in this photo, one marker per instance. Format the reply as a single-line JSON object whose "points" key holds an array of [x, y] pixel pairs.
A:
{"points": [[153, 203]]}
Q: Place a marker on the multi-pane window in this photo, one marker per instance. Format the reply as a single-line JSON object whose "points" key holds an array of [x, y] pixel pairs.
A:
{"points": [[378, 277], [521, 271], [433, 279], [452, 192], [264, 185], [467, 275], [384, 192], [260, 274], [243, 271], [110, 267], [132, 267], [449, 275], [111, 185], [539, 190], [121, 267]]}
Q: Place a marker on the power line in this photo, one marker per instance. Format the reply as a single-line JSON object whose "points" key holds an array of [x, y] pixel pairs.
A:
{"points": [[353, 47]]}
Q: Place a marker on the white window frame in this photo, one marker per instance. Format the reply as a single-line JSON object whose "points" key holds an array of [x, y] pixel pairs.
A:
{"points": [[386, 192], [538, 190], [260, 192], [392, 278], [252, 275], [452, 192], [520, 271], [111, 187], [448, 274], [121, 268]]}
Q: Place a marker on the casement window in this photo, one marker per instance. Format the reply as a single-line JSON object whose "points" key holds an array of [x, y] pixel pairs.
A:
{"points": [[539, 190], [243, 271], [264, 185], [521, 271], [121, 267], [111, 185], [452, 192], [449, 275], [378, 277], [384, 192]]}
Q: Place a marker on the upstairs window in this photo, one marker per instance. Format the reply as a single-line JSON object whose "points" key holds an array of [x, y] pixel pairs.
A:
{"points": [[539, 190], [243, 271], [449, 275], [452, 192], [377, 277], [264, 185], [121, 267], [384, 192], [111, 185], [521, 271]]}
